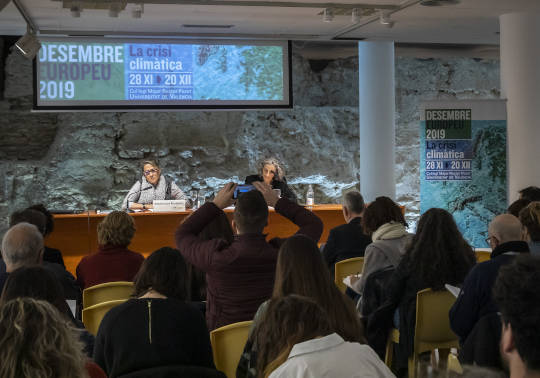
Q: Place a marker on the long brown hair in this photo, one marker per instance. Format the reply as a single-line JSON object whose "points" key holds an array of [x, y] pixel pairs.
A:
{"points": [[287, 321], [301, 270]]}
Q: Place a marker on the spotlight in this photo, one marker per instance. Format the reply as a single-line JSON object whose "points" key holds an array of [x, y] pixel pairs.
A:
{"points": [[328, 15], [28, 45], [384, 18], [114, 9], [75, 9], [355, 16], [137, 10]]}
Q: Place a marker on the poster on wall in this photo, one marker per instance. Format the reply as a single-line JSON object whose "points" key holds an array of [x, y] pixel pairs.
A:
{"points": [[463, 162]]}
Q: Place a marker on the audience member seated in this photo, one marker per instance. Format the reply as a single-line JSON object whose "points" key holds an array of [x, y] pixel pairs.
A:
{"points": [[66, 279], [383, 221], [518, 299], [297, 340], [475, 299], [532, 193], [39, 283], [516, 206], [437, 255], [113, 260], [271, 172], [45, 224], [156, 328], [36, 341], [301, 270], [240, 276], [530, 222], [347, 240]]}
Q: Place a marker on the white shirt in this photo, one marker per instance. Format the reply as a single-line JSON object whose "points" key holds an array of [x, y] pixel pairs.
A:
{"points": [[331, 357]]}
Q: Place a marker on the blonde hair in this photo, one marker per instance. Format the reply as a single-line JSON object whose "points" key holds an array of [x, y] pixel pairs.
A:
{"points": [[530, 219], [36, 342], [117, 228], [280, 172], [153, 163]]}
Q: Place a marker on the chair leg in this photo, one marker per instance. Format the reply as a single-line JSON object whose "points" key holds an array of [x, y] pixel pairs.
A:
{"points": [[412, 366], [389, 352]]}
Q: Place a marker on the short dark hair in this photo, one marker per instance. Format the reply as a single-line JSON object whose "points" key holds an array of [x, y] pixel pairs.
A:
{"points": [[49, 226], [165, 272], [516, 206], [530, 219], [532, 193], [354, 202], [251, 212], [35, 217], [517, 295], [382, 210]]}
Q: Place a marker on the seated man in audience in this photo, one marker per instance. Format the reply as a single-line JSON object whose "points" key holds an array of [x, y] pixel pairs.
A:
{"points": [[347, 240], [22, 245], [66, 279], [518, 298], [240, 275], [475, 299]]}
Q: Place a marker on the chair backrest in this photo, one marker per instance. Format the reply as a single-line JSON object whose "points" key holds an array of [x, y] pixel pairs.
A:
{"points": [[346, 268], [107, 291], [482, 254], [228, 344], [432, 321], [92, 316]]}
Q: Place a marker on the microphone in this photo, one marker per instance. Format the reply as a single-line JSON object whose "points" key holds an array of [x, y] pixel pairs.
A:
{"points": [[134, 193]]}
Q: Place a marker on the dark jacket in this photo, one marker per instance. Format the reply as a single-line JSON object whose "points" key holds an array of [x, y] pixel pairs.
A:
{"points": [[482, 346], [475, 300], [145, 333], [109, 264], [240, 276], [345, 241], [286, 192], [53, 255]]}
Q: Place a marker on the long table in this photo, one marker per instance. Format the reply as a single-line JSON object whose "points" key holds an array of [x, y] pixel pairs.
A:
{"points": [[76, 234]]}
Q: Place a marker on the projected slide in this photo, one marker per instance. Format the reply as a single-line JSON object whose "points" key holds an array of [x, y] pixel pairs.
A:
{"points": [[94, 74]]}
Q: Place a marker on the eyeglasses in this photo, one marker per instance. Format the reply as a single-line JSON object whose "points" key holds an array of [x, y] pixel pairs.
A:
{"points": [[150, 171]]}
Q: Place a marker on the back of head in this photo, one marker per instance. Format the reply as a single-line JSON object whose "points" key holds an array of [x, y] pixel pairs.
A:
{"points": [[382, 210], [532, 193], [117, 229], [517, 295], [22, 245], [49, 225], [36, 341], [301, 270], [219, 228], [31, 216], [354, 202], [530, 219], [251, 212], [505, 228], [287, 321], [516, 206], [35, 282], [165, 272], [438, 253]]}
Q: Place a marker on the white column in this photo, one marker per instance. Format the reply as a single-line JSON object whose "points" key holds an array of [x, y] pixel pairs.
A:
{"points": [[520, 85], [377, 108]]}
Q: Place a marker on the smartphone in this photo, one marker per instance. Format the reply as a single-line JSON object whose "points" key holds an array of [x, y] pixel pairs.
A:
{"points": [[242, 189]]}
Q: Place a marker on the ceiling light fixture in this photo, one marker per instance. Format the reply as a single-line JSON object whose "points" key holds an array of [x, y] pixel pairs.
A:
{"points": [[384, 18], [75, 9], [28, 45], [328, 15], [137, 10], [355, 16]]}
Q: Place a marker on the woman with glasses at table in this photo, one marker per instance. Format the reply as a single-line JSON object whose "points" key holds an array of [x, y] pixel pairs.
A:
{"points": [[152, 186]]}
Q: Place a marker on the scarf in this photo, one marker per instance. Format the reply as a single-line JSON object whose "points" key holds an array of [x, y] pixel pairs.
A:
{"points": [[392, 230], [154, 193]]}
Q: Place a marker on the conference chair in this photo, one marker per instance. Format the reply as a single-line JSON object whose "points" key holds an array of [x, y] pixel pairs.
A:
{"points": [[346, 268], [107, 291], [432, 329], [228, 344], [482, 254], [92, 316]]}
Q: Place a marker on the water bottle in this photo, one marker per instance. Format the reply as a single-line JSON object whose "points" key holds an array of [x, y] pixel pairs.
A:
{"points": [[310, 196]]}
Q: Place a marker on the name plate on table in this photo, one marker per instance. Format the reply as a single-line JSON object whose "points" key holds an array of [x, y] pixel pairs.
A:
{"points": [[169, 205]]}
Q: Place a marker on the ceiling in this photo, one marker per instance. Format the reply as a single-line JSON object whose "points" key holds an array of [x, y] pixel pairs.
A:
{"points": [[470, 22]]}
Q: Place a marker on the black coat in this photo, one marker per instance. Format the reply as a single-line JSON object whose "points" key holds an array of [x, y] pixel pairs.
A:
{"points": [[286, 192]]}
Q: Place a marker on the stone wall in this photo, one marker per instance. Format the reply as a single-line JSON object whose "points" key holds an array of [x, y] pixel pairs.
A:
{"points": [[89, 160]]}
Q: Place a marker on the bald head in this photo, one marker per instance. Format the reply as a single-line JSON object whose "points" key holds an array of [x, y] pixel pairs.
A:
{"points": [[22, 245], [505, 228]]}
